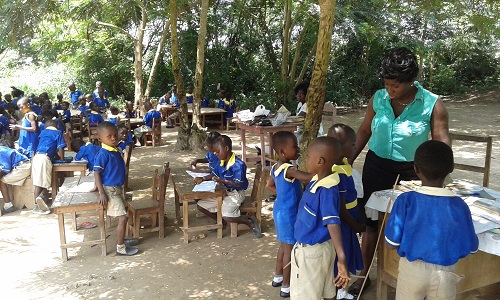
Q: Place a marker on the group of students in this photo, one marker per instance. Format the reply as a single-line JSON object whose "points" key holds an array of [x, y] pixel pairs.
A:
{"points": [[431, 228]]}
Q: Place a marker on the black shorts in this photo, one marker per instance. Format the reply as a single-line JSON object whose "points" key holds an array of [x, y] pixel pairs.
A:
{"points": [[380, 174]]}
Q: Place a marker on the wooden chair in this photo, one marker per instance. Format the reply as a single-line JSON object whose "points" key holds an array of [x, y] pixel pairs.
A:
{"points": [[92, 130], [487, 160], [76, 126], [229, 121], [126, 157], [154, 207], [154, 136], [253, 204]]}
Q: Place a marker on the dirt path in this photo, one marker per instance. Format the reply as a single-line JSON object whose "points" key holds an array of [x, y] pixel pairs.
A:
{"points": [[230, 268]]}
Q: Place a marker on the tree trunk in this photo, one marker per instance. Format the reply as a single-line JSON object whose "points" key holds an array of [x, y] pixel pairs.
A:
{"points": [[285, 54], [198, 135], [184, 129], [156, 60], [317, 87], [138, 56]]}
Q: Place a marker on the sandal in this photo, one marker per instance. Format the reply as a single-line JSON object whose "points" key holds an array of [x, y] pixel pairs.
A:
{"points": [[355, 288], [87, 225]]}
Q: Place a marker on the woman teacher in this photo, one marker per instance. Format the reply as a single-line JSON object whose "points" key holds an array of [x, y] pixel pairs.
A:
{"points": [[398, 119]]}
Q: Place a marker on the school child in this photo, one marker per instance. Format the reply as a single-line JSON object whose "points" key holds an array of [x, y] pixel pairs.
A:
{"points": [[14, 168], [2, 102], [59, 101], [101, 101], [210, 158], [74, 94], [98, 85], [189, 95], [66, 115], [95, 116], [349, 214], [151, 115], [129, 110], [51, 142], [14, 114], [4, 123], [125, 137], [205, 102], [89, 98], [17, 94], [318, 227], [173, 97], [175, 103], [8, 98], [28, 130], [226, 103], [83, 108], [232, 174], [431, 229], [284, 182], [165, 99], [114, 117], [109, 172], [84, 151], [35, 106]]}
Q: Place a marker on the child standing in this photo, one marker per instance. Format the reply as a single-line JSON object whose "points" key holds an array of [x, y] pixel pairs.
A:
{"points": [[232, 174], [109, 172], [101, 100], [84, 151], [51, 141], [28, 130], [66, 115], [431, 229], [318, 227], [284, 182], [349, 215], [74, 94]]}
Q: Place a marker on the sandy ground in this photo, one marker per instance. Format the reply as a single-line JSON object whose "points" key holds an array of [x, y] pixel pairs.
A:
{"points": [[229, 268]]}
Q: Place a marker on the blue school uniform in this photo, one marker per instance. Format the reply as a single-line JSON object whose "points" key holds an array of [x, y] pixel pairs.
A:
{"points": [[95, 117], [75, 95], [235, 170], [57, 106], [88, 152], [229, 106], [189, 98], [10, 158], [319, 207], [110, 163], [150, 115], [123, 144], [162, 100], [289, 192], [4, 125], [432, 225], [28, 141], [101, 102], [205, 102], [174, 101], [66, 117], [96, 94], [213, 162], [130, 114], [3, 104], [50, 140], [352, 250], [113, 119], [37, 109], [84, 110]]}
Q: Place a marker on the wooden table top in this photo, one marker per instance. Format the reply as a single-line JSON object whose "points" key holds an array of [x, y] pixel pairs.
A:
{"points": [[66, 197], [184, 185]]}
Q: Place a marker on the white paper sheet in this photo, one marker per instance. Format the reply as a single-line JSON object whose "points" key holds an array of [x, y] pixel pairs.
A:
{"points": [[196, 174], [205, 186]]}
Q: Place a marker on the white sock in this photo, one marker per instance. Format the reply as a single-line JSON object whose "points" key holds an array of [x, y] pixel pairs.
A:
{"points": [[7, 205], [278, 278], [121, 249], [285, 289]]}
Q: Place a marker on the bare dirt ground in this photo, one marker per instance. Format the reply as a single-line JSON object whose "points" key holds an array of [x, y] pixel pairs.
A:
{"points": [[207, 267]]}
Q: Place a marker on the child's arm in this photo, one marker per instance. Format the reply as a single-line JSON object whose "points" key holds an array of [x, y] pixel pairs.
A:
{"points": [[103, 198], [226, 182], [198, 161], [271, 185], [293, 172], [60, 152], [346, 217], [342, 278], [32, 120]]}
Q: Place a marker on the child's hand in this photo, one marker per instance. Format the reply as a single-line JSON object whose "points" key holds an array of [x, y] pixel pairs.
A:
{"points": [[198, 180], [193, 164], [103, 200], [360, 227], [13, 126], [342, 278], [217, 179]]}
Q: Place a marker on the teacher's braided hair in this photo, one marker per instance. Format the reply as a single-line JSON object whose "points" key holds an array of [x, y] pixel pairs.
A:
{"points": [[399, 64]]}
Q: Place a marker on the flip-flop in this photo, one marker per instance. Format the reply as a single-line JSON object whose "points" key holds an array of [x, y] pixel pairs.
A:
{"points": [[87, 225], [129, 251]]}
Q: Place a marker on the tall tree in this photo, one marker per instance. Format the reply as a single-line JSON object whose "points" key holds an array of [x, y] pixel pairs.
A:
{"points": [[317, 87]]}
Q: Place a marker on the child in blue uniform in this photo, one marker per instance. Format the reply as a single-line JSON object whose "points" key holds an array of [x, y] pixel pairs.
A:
{"points": [[431, 229], [226, 103], [94, 115], [84, 151], [101, 100], [125, 137], [28, 130], [210, 158], [74, 94], [129, 110], [232, 174], [151, 115], [349, 215], [14, 168], [66, 115], [110, 172], [51, 142], [318, 227], [4, 123], [114, 117], [284, 181]]}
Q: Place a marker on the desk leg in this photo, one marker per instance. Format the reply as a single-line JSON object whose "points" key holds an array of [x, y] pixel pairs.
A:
{"points": [[62, 235], [102, 229], [219, 217], [203, 121], [185, 220], [54, 185], [271, 152], [177, 207], [243, 146], [262, 150]]}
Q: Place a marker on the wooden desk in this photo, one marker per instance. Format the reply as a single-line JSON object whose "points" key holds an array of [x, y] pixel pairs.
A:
{"points": [[480, 269], [205, 112], [71, 202], [262, 131], [134, 122], [74, 166], [184, 193]]}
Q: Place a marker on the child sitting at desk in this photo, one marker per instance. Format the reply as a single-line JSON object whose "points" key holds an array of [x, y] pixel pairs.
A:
{"points": [[151, 115], [318, 227], [431, 229], [28, 130], [109, 172], [129, 110], [114, 117], [210, 158], [14, 168], [231, 173], [51, 141], [84, 151], [125, 137], [95, 116]]}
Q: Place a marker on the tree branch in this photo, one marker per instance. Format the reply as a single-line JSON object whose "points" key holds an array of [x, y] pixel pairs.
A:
{"points": [[115, 27]]}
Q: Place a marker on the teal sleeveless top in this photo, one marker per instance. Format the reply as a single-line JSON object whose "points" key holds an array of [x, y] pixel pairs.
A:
{"points": [[398, 138]]}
